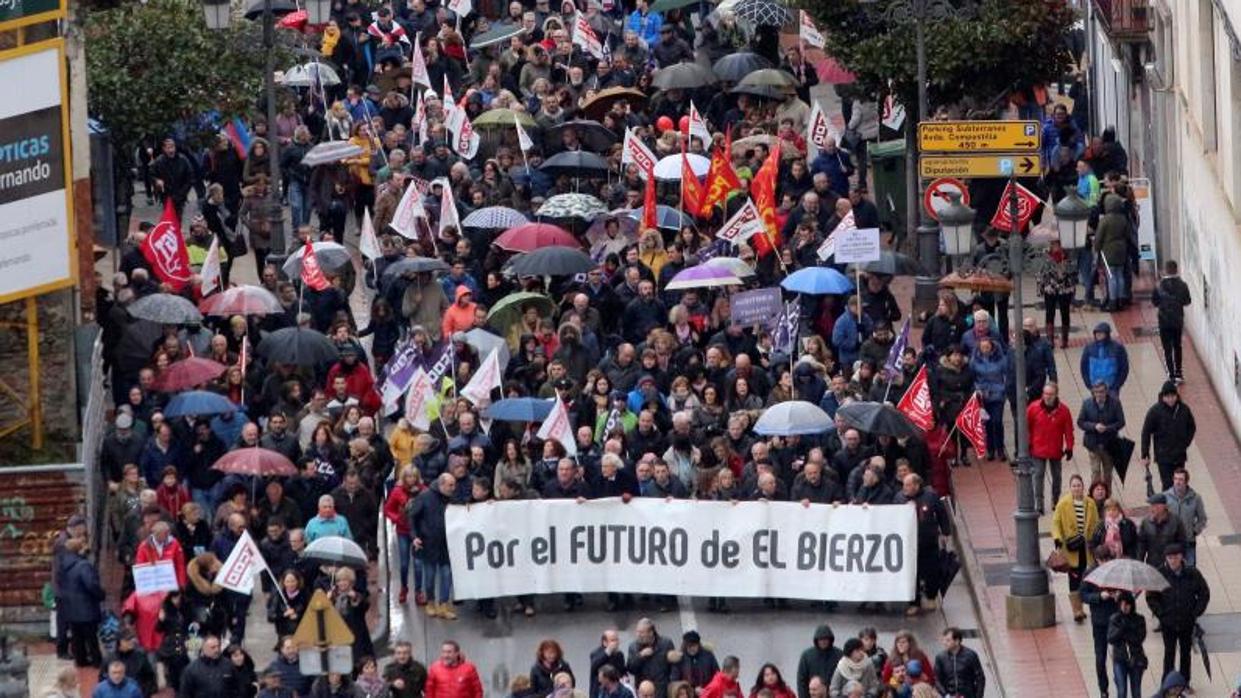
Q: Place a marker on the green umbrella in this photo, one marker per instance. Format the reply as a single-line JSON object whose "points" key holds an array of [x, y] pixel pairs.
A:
{"points": [[501, 118], [507, 313], [665, 5]]}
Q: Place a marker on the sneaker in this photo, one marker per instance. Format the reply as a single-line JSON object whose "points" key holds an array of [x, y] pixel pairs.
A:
{"points": [[1179, 379], [447, 612], [420, 598], [432, 610], [404, 594]]}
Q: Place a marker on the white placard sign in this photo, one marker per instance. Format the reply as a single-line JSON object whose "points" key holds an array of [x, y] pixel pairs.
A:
{"points": [[36, 225], [697, 548], [857, 245], [155, 577]]}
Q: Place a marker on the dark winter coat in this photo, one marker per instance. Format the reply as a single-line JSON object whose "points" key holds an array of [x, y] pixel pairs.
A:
{"points": [[698, 669], [826, 492], [1101, 609], [80, 591], [209, 678], [1179, 606], [950, 390], [1110, 414], [654, 668], [1172, 429], [1170, 296], [816, 662], [542, 677], [1154, 537], [414, 675], [1125, 633], [427, 523], [599, 658], [960, 673]]}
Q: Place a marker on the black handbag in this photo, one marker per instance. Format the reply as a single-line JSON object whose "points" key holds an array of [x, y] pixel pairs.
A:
{"points": [[1075, 543]]}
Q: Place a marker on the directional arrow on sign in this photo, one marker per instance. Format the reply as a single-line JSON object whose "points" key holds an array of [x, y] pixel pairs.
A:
{"points": [[1027, 165]]}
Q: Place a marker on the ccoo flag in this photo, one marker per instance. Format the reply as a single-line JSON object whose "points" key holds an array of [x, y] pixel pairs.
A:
{"points": [[970, 424], [916, 403], [242, 565], [557, 427], [165, 249]]}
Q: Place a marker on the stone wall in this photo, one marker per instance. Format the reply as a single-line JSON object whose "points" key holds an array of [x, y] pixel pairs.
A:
{"points": [[57, 382]]}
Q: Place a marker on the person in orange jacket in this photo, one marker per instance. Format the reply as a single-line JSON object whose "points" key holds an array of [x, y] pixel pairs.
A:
{"points": [[1051, 438], [459, 317], [452, 676]]}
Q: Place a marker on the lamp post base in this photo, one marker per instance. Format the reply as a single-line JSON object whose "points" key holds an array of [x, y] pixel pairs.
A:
{"points": [[926, 295], [1030, 612]]}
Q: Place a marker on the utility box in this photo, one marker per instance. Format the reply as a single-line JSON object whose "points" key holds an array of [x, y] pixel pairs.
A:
{"points": [[887, 162]]}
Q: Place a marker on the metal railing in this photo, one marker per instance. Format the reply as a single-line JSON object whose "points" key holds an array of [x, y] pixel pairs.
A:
{"points": [[94, 427]]}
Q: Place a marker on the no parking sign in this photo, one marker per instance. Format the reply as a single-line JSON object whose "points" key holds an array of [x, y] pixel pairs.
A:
{"points": [[936, 197]]}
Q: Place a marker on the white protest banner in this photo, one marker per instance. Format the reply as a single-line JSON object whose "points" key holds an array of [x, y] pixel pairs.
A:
{"points": [[368, 242], [828, 248], [155, 577], [585, 36], [461, 8], [418, 400], [818, 127], [408, 211], [698, 127], [744, 223], [418, 66], [242, 565], [857, 245], [695, 548], [635, 151], [558, 427], [808, 33], [486, 379]]}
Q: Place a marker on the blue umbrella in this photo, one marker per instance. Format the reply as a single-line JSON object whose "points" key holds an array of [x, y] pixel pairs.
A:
{"points": [[793, 417], [198, 403], [519, 409], [666, 217], [817, 281]]}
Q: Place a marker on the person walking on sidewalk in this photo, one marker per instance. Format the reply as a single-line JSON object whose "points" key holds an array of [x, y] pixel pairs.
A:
{"points": [[1105, 360], [1170, 297], [1102, 603], [1185, 504], [1178, 608], [1170, 424], [1057, 284], [1051, 438], [1158, 530], [1125, 633], [958, 672], [1072, 525], [1101, 418]]}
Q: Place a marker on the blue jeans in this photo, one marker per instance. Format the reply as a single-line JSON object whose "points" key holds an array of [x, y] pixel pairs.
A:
{"points": [[1128, 682], [404, 549], [1191, 554], [1117, 284], [442, 571], [1086, 271], [299, 203], [995, 425]]}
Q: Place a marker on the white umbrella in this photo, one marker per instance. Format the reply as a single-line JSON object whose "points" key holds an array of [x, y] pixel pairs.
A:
{"points": [[336, 550], [331, 256], [305, 75], [734, 266], [791, 418], [669, 168]]}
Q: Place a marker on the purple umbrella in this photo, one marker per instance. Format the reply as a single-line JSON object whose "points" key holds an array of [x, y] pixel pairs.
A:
{"points": [[702, 276]]}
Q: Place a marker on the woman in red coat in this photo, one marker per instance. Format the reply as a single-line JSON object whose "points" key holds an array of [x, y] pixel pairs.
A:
{"points": [[394, 510], [1051, 437]]}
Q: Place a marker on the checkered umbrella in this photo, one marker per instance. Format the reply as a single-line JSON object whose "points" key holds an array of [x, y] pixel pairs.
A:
{"points": [[494, 218], [763, 12]]}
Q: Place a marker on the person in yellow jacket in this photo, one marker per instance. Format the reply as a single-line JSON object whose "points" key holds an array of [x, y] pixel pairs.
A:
{"points": [[651, 251], [360, 169], [1072, 524]]}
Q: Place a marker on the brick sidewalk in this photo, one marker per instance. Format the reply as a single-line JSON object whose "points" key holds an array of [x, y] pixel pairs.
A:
{"points": [[1060, 659]]}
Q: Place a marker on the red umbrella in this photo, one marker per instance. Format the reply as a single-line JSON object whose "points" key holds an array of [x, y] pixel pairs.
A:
{"points": [[294, 20], [188, 373], [262, 462], [241, 300], [532, 236]]}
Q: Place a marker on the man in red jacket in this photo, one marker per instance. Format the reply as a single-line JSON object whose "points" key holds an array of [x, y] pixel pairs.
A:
{"points": [[159, 546], [359, 383], [451, 676], [1051, 437], [724, 683]]}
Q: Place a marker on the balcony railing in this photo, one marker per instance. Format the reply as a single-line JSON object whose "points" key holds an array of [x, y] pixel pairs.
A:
{"points": [[1125, 20]]}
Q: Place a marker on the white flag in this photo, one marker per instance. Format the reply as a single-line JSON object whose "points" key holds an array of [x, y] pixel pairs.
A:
{"points": [[461, 8], [418, 66], [408, 211], [809, 33], [523, 138], [465, 140], [242, 565], [484, 380], [368, 243], [744, 223], [698, 127], [635, 151], [558, 428], [450, 104], [828, 248], [448, 209], [585, 36], [418, 400], [893, 113], [210, 272], [818, 128]]}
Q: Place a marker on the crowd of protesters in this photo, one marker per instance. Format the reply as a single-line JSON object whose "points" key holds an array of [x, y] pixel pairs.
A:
{"points": [[662, 388]]}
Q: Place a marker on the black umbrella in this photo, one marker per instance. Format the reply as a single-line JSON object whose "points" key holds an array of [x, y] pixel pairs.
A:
{"points": [[878, 418], [575, 163], [415, 265], [138, 340], [763, 91], [593, 136], [294, 345], [552, 261], [682, 76], [1200, 637], [279, 8], [498, 33], [165, 308], [734, 66], [893, 264]]}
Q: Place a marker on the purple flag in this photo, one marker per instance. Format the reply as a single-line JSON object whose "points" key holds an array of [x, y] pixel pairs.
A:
{"points": [[892, 366]]}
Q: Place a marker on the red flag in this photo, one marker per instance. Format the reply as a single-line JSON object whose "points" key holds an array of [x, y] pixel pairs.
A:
{"points": [[650, 213], [916, 404], [691, 189], [721, 179], [165, 249], [763, 191], [312, 274], [970, 424], [1027, 204]]}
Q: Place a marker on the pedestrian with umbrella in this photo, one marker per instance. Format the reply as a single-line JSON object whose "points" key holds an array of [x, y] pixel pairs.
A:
{"points": [[1103, 606], [1178, 608]]}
